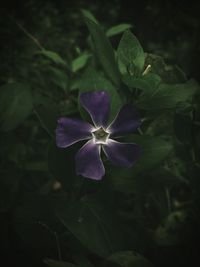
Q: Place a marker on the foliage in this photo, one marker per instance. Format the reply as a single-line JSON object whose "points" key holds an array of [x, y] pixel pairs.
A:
{"points": [[132, 215]]}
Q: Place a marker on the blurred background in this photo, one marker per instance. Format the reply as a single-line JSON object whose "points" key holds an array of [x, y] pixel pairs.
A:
{"points": [[168, 28]]}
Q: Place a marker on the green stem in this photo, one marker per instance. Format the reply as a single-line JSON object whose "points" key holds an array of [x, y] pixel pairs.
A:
{"points": [[29, 35]]}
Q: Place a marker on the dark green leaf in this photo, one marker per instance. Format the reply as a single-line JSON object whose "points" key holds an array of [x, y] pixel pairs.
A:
{"points": [[59, 77], [79, 62], [96, 225], [167, 96], [89, 15], [118, 29], [104, 50], [54, 57], [131, 53], [15, 105], [86, 226], [154, 151], [145, 82]]}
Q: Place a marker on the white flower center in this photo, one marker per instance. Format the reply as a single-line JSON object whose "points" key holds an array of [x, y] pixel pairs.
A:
{"points": [[100, 136]]}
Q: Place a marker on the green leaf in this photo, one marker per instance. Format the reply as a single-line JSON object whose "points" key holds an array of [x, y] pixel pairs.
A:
{"points": [[93, 80], [167, 96], [59, 77], [91, 221], [54, 57], [145, 82], [131, 53], [15, 105], [89, 15], [79, 62], [117, 29], [127, 259], [85, 225], [154, 151], [104, 50]]}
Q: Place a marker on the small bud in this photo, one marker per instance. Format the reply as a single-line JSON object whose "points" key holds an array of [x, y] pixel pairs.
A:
{"points": [[146, 70]]}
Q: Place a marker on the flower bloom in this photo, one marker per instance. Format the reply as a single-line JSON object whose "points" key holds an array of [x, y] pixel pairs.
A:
{"points": [[100, 136]]}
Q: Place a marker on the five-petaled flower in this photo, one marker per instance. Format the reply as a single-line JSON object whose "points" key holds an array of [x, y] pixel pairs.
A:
{"points": [[100, 136]]}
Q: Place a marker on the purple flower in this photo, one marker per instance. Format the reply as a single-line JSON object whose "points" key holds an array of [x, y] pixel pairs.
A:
{"points": [[100, 136]]}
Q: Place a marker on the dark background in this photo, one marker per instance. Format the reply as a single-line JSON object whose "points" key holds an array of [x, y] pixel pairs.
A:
{"points": [[167, 28]]}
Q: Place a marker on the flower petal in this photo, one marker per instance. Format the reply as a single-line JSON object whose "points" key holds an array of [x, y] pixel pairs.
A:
{"points": [[97, 105], [70, 131], [125, 122], [88, 161], [122, 154]]}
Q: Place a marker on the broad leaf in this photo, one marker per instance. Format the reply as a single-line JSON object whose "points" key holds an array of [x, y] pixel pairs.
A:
{"points": [[146, 82], [154, 151], [86, 226], [131, 53], [97, 226], [103, 49], [167, 96]]}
